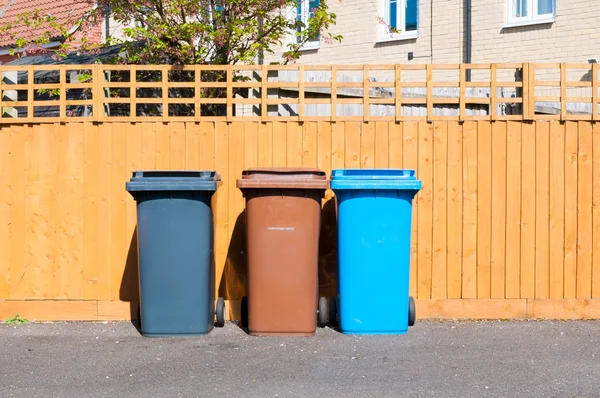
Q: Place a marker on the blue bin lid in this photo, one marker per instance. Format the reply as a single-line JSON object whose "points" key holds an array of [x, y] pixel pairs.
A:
{"points": [[176, 180], [375, 179]]}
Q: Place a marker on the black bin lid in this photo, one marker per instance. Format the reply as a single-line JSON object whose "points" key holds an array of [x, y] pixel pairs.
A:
{"points": [[173, 180]]}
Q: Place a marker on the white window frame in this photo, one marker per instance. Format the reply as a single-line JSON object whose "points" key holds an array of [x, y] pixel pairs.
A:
{"points": [[533, 18], [384, 33], [309, 45]]}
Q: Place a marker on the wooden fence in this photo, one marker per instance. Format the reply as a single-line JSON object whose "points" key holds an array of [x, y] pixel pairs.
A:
{"points": [[100, 93], [506, 226]]}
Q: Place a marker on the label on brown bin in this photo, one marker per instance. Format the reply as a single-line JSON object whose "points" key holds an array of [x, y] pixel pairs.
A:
{"points": [[281, 228]]}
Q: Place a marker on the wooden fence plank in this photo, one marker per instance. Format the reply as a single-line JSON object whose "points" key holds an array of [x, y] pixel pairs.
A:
{"points": [[425, 219], [324, 148], [104, 211], [410, 160], [395, 146], [513, 209], [439, 242], [571, 194], [484, 212], [19, 137], [528, 210], [235, 205], [455, 210], [294, 145], [469, 211], [367, 146], [62, 215], [74, 227], [324, 152], [557, 209], [20, 149], [584, 211], [163, 146], [542, 209], [309, 144], [250, 145], [328, 237], [279, 144], [498, 259], [338, 145], [5, 209], [596, 212], [149, 146], [91, 198], [40, 226], [206, 146], [31, 277], [128, 290], [352, 149], [177, 155], [382, 145], [118, 206], [221, 199], [191, 146], [265, 144]]}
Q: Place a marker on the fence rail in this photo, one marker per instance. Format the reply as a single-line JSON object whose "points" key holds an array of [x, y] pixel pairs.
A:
{"points": [[515, 91]]}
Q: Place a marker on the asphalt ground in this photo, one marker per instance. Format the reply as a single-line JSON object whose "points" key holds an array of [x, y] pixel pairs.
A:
{"points": [[444, 359]]}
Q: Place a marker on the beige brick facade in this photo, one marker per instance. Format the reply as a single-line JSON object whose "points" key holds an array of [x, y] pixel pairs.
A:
{"points": [[573, 37]]}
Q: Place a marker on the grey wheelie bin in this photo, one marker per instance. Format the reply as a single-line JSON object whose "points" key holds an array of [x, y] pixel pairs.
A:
{"points": [[175, 250]]}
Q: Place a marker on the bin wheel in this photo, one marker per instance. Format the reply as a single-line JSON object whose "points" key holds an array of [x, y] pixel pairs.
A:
{"points": [[333, 311], [220, 312], [412, 312], [244, 311], [322, 312]]}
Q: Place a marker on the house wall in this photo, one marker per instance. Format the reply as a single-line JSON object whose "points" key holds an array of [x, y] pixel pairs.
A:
{"points": [[573, 37], [439, 36]]}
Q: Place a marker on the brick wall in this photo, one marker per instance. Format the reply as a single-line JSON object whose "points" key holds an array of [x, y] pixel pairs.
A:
{"points": [[94, 34], [357, 22], [573, 37]]}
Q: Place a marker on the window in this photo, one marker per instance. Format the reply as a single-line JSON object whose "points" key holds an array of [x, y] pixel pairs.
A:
{"points": [[305, 10], [523, 12], [399, 19]]}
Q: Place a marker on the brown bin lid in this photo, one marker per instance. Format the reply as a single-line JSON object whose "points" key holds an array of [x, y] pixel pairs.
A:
{"points": [[288, 177]]}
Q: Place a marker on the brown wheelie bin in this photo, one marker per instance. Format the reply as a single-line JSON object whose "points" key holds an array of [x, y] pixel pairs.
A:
{"points": [[283, 218]]}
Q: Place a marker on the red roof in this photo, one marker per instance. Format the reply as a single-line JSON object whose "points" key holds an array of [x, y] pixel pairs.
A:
{"points": [[65, 11]]}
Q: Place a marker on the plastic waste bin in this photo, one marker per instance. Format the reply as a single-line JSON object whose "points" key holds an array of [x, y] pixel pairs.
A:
{"points": [[175, 252], [283, 218], [374, 232]]}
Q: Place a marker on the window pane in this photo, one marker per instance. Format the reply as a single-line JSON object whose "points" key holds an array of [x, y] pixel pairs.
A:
{"points": [[312, 5], [299, 18], [520, 8], [411, 15], [393, 14], [299, 10], [545, 7]]}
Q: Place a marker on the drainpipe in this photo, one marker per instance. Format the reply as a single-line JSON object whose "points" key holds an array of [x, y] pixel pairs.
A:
{"points": [[107, 23], [260, 51], [468, 34]]}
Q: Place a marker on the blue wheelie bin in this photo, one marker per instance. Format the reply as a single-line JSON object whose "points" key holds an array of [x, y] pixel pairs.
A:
{"points": [[374, 231], [175, 251]]}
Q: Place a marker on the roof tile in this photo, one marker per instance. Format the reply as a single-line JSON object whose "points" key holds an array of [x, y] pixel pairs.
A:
{"points": [[65, 11]]}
